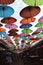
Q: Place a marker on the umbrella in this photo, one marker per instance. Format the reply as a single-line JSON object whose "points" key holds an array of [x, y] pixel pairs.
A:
{"points": [[41, 20], [12, 34], [6, 36], [6, 11], [2, 30], [8, 20], [27, 31], [4, 2], [1, 25], [27, 21], [9, 40], [33, 2], [23, 37], [2, 33], [11, 26], [39, 25], [23, 34], [29, 11], [12, 31], [16, 36], [25, 25], [39, 29]]}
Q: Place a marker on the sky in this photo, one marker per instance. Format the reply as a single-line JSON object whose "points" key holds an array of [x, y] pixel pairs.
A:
{"points": [[18, 5]]}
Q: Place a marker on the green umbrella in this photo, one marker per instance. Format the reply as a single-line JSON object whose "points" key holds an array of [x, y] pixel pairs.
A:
{"points": [[39, 25], [33, 2], [27, 31]]}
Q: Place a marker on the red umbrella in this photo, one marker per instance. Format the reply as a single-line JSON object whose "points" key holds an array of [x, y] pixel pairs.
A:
{"points": [[1, 25], [13, 31], [8, 20], [29, 11], [6, 1]]}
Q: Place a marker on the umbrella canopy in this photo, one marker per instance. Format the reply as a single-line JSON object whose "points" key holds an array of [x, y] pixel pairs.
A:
{"points": [[6, 1], [27, 21], [41, 34], [12, 31], [39, 29], [41, 20], [11, 26], [2, 30], [12, 34], [29, 11], [25, 25], [6, 11], [33, 2], [8, 20], [27, 31], [23, 37], [2, 33], [1, 25], [23, 34], [39, 25]]}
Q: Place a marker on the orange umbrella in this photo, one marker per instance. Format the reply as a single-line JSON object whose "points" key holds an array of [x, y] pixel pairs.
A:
{"points": [[8, 20], [16, 36], [2, 30], [27, 21], [6, 1], [9, 40]]}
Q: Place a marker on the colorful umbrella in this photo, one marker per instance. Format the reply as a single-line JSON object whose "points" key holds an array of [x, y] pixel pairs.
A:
{"points": [[39, 25], [2, 30], [25, 25], [11, 26], [1, 25], [33, 2], [6, 11], [4, 2], [27, 21], [8, 20], [16, 36], [29, 11], [41, 20], [27, 31]]}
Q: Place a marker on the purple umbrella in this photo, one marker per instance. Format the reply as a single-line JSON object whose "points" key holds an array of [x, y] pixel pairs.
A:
{"points": [[39, 29], [41, 20], [11, 26]]}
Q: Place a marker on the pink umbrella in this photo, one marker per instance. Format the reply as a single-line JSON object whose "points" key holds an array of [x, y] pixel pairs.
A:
{"points": [[39, 29], [30, 36], [23, 34], [41, 20], [11, 26]]}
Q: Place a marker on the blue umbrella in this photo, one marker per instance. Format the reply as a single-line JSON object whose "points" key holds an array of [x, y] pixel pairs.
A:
{"points": [[2, 33], [23, 37], [25, 25], [6, 11]]}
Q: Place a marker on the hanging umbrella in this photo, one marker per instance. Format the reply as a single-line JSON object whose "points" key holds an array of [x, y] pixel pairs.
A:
{"points": [[33, 2], [1, 25], [9, 40], [6, 11], [4, 2], [27, 21], [2, 30], [12, 31], [25, 25], [8, 20], [16, 36], [6, 36], [29, 11], [23, 34], [41, 35], [41, 20], [39, 25], [27, 31], [11, 26], [39, 29]]}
